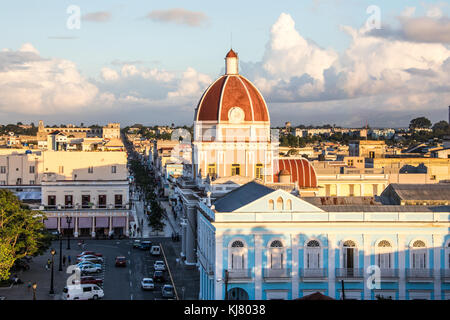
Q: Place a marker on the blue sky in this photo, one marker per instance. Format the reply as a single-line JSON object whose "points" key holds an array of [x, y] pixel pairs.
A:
{"points": [[130, 37]]}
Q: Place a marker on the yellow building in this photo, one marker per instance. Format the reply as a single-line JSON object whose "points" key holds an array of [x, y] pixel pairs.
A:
{"points": [[367, 148]]}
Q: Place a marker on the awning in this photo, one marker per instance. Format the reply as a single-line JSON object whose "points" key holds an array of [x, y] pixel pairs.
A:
{"points": [[102, 222], [84, 222], [119, 221], [65, 225], [51, 223]]}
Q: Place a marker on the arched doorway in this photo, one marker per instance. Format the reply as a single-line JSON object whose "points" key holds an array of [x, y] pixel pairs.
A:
{"points": [[237, 294]]}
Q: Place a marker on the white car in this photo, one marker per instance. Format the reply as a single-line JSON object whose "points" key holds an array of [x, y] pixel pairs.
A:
{"points": [[147, 284], [82, 292], [89, 269], [159, 265], [91, 258]]}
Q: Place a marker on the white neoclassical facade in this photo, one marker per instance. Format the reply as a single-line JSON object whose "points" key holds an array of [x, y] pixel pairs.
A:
{"points": [[260, 243]]}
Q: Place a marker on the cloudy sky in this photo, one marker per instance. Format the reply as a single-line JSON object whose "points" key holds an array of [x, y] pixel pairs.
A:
{"points": [[341, 62]]}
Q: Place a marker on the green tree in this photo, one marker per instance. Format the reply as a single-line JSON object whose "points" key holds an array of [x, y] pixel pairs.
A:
{"points": [[441, 128], [420, 122], [22, 232]]}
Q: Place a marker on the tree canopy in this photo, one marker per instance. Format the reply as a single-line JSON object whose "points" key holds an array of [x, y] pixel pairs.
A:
{"points": [[420, 122], [22, 232]]}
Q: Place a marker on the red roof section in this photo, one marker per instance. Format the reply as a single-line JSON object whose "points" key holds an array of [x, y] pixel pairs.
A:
{"points": [[231, 54], [302, 172], [231, 91]]}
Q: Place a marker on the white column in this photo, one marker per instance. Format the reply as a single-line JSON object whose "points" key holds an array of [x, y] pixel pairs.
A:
{"points": [[110, 225], [437, 245], [75, 231], [295, 266], [219, 272], [93, 228], [331, 266], [59, 224], [367, 253], [258, 266], [401, 267], [362, 189], [127, 231]]}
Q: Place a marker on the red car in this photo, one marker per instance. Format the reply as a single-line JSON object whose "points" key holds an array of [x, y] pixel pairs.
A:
{"points": [[84, 253], [121, 261], [90, 280]]}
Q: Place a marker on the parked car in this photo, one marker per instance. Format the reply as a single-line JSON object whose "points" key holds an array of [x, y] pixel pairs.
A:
{"points": [[145, 245], [90, 258], [147, 284], [136, 243], [159, 265], [85, 253], [83, 292], [121, 261], [88, 263], [158, 276], [155, 250], [90, 280], [168, 291], [86, 269]]}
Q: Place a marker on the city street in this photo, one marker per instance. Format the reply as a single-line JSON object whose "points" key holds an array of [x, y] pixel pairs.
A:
{"points": [[120, 283]]}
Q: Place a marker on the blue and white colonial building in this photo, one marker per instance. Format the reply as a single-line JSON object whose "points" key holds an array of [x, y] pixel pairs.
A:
{"points": [[260, 243]]}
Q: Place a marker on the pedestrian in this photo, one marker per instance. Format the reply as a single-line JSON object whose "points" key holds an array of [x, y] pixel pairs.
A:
{"points": [[64, 260], [49, 262], [29, 286], [68, 260]]}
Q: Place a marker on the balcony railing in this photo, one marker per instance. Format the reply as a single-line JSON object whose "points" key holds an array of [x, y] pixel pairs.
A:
{"points": [[314, 273], [445, 274], [277, 274], [388, 273], [349, 273], [419, 274], [239, 274], [83, 206]]}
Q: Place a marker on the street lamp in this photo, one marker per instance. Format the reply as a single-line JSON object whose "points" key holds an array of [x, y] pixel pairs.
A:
{"points": [[34, 290], [52, 291], [69, 221], [60, 253]]}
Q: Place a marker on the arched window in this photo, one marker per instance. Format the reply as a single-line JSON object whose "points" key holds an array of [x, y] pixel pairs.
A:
{"points": [[289, 204], [280, 204], [384, 255], [349, 257], [276, 255], [238, 254], [271, 205], [312, 255], [419, 255]]}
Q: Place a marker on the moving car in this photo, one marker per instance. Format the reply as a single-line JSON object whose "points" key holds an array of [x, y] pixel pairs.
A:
{"points": [[159, 265], [168, 291], [136, 243], [145, 245], [82, 292], [121, 261], [158, 276], [155, 251], [147, 284], [84, 253], [90, 280]]}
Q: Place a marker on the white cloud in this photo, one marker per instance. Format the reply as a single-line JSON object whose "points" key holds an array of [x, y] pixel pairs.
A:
{"points": [[32, 84], [179, 16], [109, 74]]}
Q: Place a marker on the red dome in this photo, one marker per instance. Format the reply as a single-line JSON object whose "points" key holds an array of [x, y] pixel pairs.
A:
{"points": [[302, 172], [231, 91]]}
